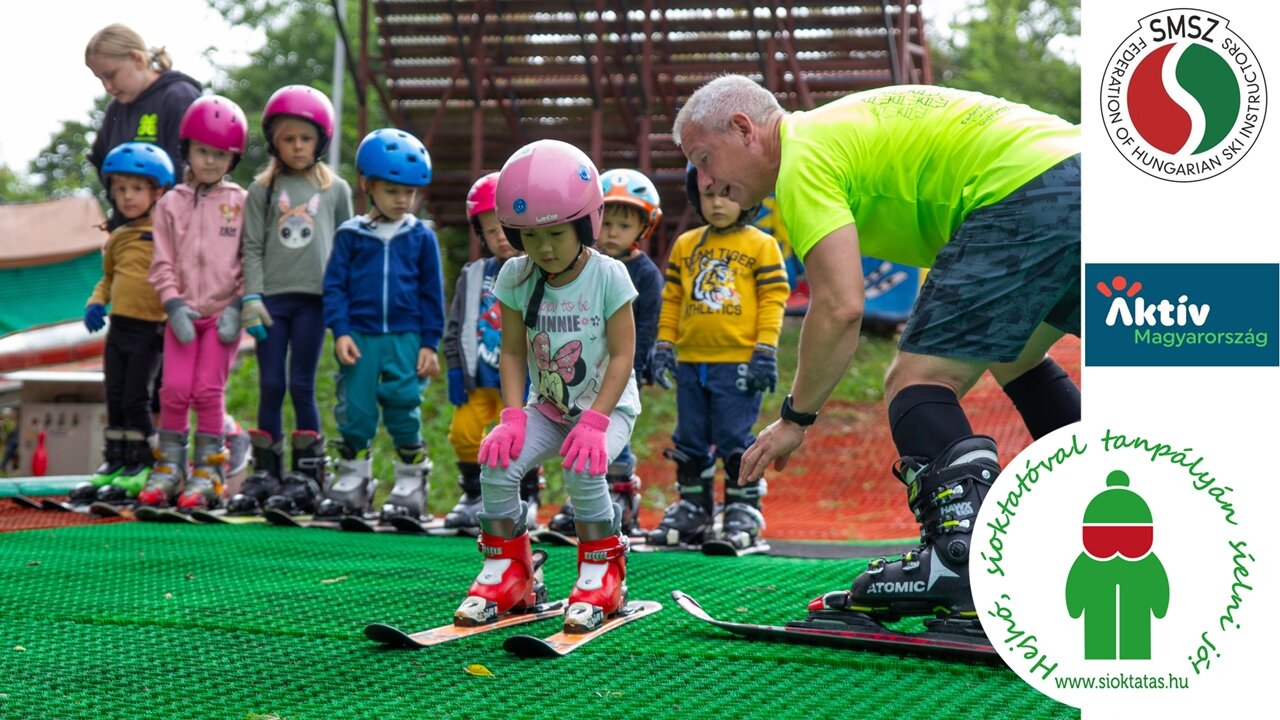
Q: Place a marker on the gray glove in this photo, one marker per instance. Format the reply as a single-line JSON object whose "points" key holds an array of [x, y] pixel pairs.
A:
{"points": [[229, 323], [182, 320]]}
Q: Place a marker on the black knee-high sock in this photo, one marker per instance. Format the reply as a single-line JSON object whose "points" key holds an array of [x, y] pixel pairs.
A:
{"points": [[1046, 397], [925, 419]]}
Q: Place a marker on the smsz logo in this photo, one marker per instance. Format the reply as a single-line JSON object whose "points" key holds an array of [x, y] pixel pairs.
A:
{"points": [[1183, 98], [1143, 312]]}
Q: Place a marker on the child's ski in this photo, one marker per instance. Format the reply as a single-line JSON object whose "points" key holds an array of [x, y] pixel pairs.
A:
{"points": [[283, 519], [394, 637], [29, 503], [857, 633], [220, 517], [147, 513], [725, 548], [563, 643]]}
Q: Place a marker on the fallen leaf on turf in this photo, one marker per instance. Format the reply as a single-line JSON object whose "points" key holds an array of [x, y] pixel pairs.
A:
{"points": [[19, 648], [340, 578], [33, 563], [478, 670], [168, 596]]}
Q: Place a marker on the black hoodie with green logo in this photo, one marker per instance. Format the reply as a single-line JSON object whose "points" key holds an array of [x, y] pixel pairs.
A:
{"points": [[153, 117]]}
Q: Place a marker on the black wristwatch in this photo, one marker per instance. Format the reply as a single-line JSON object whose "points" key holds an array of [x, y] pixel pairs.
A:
{"points": [[790, 414]]}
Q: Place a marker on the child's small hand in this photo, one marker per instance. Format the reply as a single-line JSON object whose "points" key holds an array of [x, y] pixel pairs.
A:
{"points": [[182, 319], [662, 364], [94, 317], [428, 363], [346, 350]]}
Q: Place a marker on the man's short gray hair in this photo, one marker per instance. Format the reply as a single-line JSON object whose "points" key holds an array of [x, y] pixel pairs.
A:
{"points": [[711, 105]]}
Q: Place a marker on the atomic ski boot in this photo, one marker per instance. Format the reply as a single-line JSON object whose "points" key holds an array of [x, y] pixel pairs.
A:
{"points": [[268, 465], [113, 461], [509, 582], [688, 521], [300, 489], [601, 589], [169, 475], [352, 492], [206, 484], [463, 515], [932, 579], [409, 493], [743, 522]]}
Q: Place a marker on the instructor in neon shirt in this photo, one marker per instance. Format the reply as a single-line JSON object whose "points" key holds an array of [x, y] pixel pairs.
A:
{"points": [[984, 192]]}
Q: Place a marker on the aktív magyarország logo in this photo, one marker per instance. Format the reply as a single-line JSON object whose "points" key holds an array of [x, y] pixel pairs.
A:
{"points": [[1183, 97]]}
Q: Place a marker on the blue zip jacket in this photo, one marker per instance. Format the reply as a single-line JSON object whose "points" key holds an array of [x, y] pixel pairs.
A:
{"points": [[377, 287]]}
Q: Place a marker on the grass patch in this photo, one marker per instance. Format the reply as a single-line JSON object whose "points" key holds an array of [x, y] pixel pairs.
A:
{"points": [[863, 382]]}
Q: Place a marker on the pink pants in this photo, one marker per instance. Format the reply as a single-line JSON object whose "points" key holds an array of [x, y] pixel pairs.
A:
{"points": [[195, 376]]}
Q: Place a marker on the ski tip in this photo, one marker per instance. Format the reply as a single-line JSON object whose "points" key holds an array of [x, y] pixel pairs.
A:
{"points": [[528, 646], [389, 636]]}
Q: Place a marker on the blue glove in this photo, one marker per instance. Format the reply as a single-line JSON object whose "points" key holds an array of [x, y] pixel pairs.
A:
{"points": [[663, 363], [94, 316], [182, 320], [457, 387], [762, 372], [254, 317]]}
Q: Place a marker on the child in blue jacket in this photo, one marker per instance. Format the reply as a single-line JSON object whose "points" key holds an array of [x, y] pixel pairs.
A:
{"points": [[384, 302]]}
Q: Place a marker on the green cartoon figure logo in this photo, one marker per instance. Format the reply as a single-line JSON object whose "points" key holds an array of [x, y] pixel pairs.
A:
{"points": [[1117, 583]]}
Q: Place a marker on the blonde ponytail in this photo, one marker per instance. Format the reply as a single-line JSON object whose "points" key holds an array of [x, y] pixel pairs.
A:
{"points": [[121, 42]]}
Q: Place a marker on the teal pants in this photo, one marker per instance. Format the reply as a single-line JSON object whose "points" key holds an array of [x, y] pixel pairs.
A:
{"points": [[385, 376]]}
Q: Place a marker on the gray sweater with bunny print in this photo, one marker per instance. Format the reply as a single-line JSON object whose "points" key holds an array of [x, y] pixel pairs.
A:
{"points": [[287, 237]]}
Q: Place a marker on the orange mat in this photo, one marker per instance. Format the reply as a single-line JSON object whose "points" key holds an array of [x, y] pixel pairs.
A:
{"points": [[838, 486], [17, 517]]}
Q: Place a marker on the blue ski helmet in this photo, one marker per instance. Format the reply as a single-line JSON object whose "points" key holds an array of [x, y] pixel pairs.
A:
{"points": [[395, 156], [139, 158]]}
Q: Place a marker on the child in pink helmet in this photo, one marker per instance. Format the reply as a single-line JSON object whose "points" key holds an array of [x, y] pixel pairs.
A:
{"points": [[295, 206], [196, 272], [577, 346], [472, 345]]}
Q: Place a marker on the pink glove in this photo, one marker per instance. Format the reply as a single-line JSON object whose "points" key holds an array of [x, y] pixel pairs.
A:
{"points": [[505, 441], [586, 444]]}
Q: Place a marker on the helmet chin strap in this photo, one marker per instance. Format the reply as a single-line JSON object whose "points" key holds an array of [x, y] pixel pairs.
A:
{"points": [[540, 289]]}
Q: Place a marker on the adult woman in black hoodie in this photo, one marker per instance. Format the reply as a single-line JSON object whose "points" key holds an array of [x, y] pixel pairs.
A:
{"points": [[147, 97]]}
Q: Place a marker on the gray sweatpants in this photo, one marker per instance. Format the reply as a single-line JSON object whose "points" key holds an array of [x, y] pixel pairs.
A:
{"points": [[500, 487]]}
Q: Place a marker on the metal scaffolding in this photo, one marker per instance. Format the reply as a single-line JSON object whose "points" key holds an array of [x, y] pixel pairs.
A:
{"points": [[476, 80]]}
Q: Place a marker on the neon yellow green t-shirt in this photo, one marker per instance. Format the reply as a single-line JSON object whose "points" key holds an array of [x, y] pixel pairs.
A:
{"points": [[907, 164]]}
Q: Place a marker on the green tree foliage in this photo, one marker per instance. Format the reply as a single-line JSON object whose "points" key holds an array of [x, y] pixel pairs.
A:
{"points": [[15, 188], [298, 51], [1013, 49], [62, 168]]}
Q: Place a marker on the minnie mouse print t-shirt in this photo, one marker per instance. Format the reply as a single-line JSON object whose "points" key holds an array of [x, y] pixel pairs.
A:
{"points": [[568, 351]]}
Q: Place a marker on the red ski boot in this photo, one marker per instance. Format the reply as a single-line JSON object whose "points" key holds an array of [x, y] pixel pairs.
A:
{"points": [[509, 582], [601, 590]]}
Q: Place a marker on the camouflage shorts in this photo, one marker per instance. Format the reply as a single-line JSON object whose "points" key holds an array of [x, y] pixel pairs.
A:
{"points": [[1008, 267]]}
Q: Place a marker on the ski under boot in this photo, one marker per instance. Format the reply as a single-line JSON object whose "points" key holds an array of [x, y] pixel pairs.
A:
{"points": [[300, 489], [742, 521], [170, 472], [601, 589], [139, 459], [113, 461], [352, 492], [206, 484], [509, 581], [409, 493], [932, 579], [268, 465], [688, 521], [464, 514]]}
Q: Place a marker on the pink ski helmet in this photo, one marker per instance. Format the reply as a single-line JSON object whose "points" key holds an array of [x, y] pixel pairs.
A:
{"points": [[303, 102], [481, 197], [216, 122], [549, 182]]}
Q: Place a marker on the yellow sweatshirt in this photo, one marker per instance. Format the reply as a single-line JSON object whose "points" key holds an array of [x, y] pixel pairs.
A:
{"points": [[725, 292], [124, 284]]}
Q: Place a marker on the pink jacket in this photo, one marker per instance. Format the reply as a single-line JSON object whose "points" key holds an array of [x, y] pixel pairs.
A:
{"points": [[197, 247]]}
